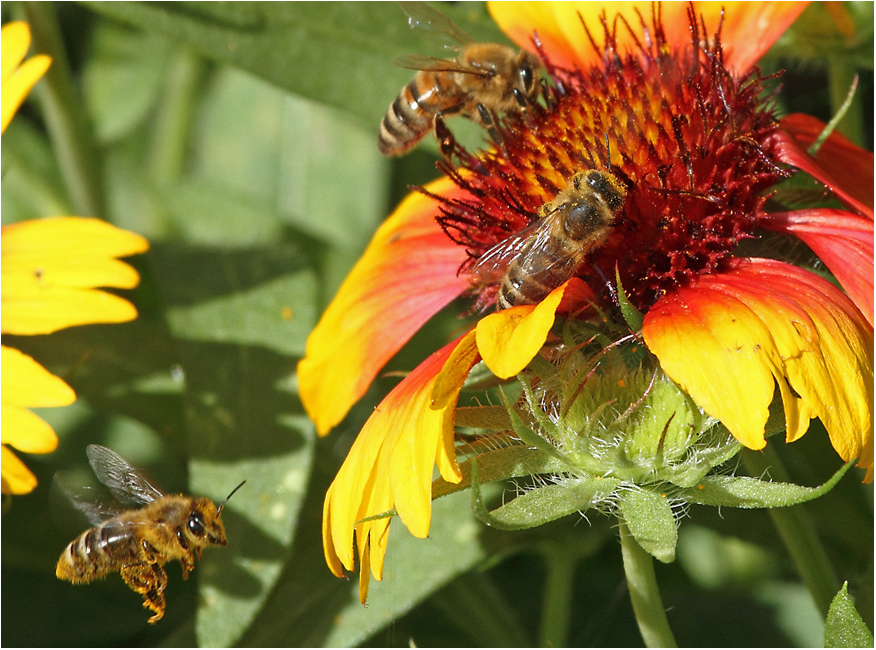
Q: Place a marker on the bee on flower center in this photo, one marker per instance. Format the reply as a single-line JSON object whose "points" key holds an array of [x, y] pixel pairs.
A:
{"points": [[535, 261], [483, 81], [138, 542]]}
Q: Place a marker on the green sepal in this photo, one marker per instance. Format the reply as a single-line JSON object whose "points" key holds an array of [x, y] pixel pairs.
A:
{"points": [[844, 627], [690, 473], [632, 316], [747, 492], [493, 418], [540, 505], [498, 465], [648, 515]]}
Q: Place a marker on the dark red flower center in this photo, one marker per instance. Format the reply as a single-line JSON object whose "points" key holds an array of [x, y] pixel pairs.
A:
{"points": [[687, 140]]}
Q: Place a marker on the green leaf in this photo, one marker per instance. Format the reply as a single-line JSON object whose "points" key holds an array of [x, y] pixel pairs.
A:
{"points": [[844, 627], [747, 492], [123, 78], [237, 321], [649, 518], [338, 53], [310, 607]]}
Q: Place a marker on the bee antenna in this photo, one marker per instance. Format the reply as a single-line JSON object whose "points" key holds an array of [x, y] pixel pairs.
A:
{"points": [[222, 505]]}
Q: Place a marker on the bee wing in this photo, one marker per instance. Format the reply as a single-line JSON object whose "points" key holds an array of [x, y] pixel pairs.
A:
{"points": [[525, 246], [422, 15], [492, 265], [126, 483], [420, 62], [95, 503]]}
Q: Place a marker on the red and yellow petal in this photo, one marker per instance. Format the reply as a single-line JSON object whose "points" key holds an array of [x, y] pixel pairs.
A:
{"points": [[407, 274], [839, 157], [843, 241], [730, 337], [748, 28], [17, 81], [391, 462], [50, 267]]}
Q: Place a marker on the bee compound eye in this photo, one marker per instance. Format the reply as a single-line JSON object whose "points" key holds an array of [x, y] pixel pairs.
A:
{"points": [[526, 76], [195, 525]]}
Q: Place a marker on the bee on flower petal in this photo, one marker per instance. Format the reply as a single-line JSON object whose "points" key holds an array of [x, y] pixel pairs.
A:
{"points": [[483, 81], [548, 252], [138, 542]]}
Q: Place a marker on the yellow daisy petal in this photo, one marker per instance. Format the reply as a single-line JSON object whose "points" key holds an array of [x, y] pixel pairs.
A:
{"points": [[17, 478], [27, 432], [26, 383], [17, 81], [50, 267]]}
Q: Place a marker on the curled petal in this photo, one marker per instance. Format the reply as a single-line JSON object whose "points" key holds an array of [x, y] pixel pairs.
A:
{"points": [[50, 269], [391, 462], [842, 159], [509, 339], [748, 28], [843, 241], [407, 274], [789, 149], [728, 338], [17, 81]]}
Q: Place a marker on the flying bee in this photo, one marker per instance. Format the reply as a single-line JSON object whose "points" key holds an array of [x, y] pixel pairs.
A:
{"points": [[538, 259], [484, 80], [138, 542]]}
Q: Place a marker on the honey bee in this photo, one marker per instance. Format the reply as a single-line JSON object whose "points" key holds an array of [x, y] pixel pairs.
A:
{"points": [[485, 79], [535, 261], [138, 542]]}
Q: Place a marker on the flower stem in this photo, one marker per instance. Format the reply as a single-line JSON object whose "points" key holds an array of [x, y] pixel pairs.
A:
{"points": [[642, 583], [174, 117], [841, 78], [557, 602], [797, 533], [65, 118]]}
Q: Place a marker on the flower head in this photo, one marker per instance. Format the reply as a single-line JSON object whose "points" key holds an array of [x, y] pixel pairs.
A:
{"points": [[51, 268], [686, 149]]}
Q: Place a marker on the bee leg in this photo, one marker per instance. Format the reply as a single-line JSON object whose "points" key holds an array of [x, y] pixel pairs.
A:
{"points": [[489, 122], [187, 559], [446, 142], [150, 581]]}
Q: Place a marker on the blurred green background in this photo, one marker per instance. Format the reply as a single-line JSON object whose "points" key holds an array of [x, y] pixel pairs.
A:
{"points": [[240, 138]]}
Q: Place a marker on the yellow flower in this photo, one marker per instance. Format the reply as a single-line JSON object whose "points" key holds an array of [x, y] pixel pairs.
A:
{"points": [[50, 268]]}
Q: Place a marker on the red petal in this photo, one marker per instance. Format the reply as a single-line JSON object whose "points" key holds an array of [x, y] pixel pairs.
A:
{"points": [[406, 275], [842, 160]]}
